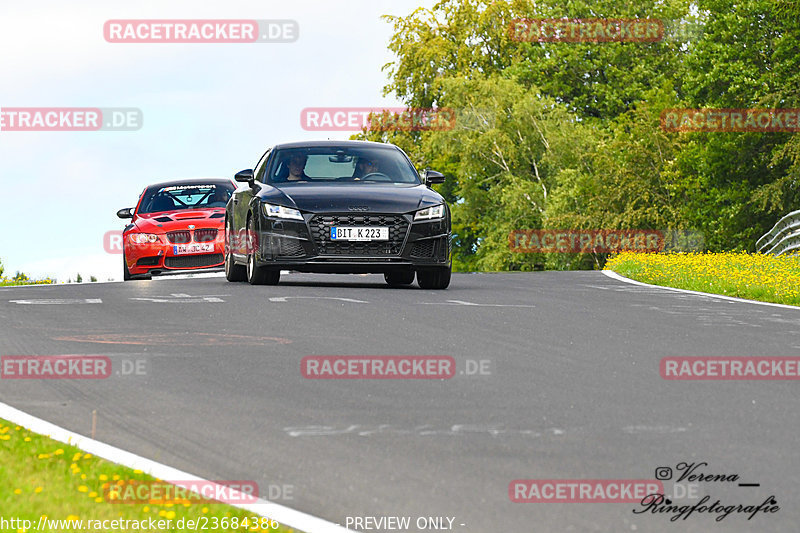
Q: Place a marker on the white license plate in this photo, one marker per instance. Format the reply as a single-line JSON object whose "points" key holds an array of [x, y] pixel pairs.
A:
{"points": [[194, 248], [359, 233]]}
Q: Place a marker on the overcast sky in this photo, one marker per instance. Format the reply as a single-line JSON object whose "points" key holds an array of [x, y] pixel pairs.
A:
{"points": [[208, 109]]}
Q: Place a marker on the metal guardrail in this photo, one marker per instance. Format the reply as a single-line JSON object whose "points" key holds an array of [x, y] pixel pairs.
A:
{"points": [[783, 237]]}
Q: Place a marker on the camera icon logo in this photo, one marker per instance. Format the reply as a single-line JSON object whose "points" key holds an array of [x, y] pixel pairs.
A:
{"points": [[663, 473]]}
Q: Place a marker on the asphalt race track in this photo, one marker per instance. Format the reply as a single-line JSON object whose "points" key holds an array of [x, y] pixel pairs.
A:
{"points": [[570, 390]]}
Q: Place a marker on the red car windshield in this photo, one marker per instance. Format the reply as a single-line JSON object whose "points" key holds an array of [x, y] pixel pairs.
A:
{"points": [[177, 197]]}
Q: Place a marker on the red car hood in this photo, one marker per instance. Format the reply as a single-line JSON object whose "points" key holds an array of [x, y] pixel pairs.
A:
{"points": [[200, 218]]}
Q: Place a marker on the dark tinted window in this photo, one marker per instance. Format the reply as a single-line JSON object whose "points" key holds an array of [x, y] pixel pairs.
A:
{"points": [[339, 164], [176, 197]]}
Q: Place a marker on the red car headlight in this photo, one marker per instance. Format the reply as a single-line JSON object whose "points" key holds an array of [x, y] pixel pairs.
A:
{"points": [[144, 238]]}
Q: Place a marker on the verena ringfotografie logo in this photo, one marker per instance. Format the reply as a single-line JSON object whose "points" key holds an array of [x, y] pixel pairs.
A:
{"points": [[179, 492], [378, 367], [583, 490], [377, 118], [693, 478], [585, 241], [70, 119], [55, 366], [593, 30], [730, 368], [739, 120], [201, 31]]}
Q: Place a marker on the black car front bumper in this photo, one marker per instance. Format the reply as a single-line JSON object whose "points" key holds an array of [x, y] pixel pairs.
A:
{"points": [[306, 245]]}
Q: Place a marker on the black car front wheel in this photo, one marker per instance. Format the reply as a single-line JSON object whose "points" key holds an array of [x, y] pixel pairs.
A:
{"points": [[233, 272], [434, 278], [259, 275], [399, 279]]}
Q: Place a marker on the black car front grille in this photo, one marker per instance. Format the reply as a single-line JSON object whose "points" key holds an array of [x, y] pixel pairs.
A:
{"points": [[290, 248], [148, 261], [321, 234], [422, 249], [437, 249], [179, 237], [205, 235], [193, 261]]}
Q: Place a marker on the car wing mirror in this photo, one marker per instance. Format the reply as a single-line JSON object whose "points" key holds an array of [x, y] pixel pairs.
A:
{"points": [[431, 176], [245, 176], [125, 213]]}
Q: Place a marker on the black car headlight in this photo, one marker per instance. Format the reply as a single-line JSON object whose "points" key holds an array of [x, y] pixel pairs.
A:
{"points": [[279, 211], [430, 213]]}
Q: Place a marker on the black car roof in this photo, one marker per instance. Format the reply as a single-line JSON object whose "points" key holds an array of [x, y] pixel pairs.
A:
{"points": [[320, 144], [189, 181]]}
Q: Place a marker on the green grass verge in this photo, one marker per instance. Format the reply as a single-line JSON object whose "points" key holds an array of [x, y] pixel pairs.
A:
{"points": [[759, 277], [43, 477]]}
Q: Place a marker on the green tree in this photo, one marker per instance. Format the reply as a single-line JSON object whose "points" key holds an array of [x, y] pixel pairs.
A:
{"points": [[745, 180], [468, 38], [567, 135]]}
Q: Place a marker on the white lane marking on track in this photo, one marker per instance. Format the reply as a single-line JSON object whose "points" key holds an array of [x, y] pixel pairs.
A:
{"points": [[284, 299], [181, 298], [423, 430], [653, 429], [281, 514], [613, 275], [461, 302], [57, 301]]}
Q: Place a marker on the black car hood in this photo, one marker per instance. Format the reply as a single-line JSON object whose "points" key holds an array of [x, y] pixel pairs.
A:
{"points": [[347, 197]]}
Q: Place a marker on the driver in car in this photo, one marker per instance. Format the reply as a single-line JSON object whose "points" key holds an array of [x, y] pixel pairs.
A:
{"points": [[297, 165], [220, 197], [364, 167]]}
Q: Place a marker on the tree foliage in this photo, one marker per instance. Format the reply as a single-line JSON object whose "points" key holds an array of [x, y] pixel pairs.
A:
{"points": [[567, 134]]}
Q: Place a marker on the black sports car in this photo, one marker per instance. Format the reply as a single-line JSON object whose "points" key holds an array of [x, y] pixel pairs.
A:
{"points": [[338, 207]]}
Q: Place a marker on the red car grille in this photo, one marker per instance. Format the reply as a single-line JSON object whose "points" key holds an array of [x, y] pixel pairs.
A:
{"points": [[179, 237], [185, 237], [205, 235]]}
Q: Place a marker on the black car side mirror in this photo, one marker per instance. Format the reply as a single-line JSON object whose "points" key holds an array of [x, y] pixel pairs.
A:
{"points": [[125, 213], [431, 176], [245, 176]]}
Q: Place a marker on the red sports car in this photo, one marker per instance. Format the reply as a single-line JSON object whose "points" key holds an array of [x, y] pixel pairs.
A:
{"points": [[176, 225]]}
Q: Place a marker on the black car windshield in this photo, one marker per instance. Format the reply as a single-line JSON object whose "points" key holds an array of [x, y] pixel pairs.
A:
{"points": [[192, 196], [340, 164]]}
